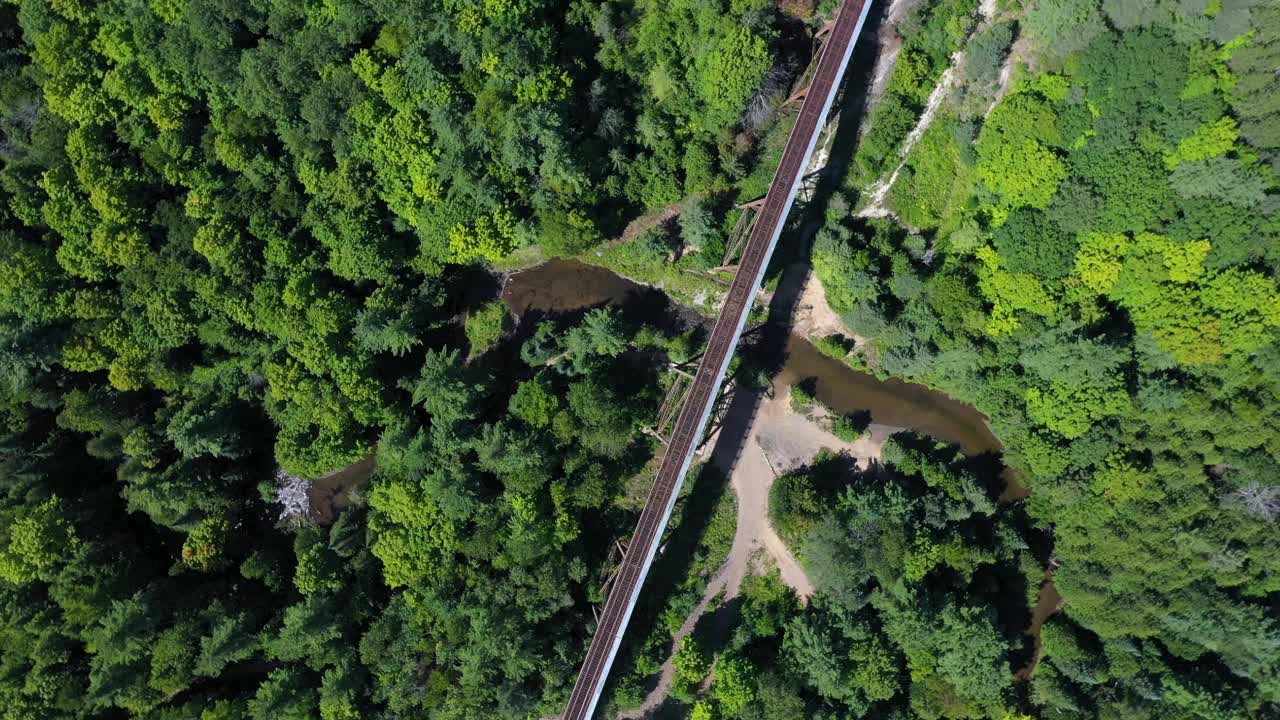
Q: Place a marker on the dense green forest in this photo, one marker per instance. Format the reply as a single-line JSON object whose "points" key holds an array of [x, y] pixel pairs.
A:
{"points": [[1089, 255], [923, 592], [238, 247], [282, 188], [248, 242]]}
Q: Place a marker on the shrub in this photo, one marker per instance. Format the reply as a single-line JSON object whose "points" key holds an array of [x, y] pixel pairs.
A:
{"points": [[802, 394], [698, 229], [566, 233], [703, 710], [735, 685], [732, 74], [485, 326], [986, 53], [851, 427], [535, 403], [646, 254], [684, 346], [936, 178], [835, 345], [794, 507], [692, 664], [891, 122]]}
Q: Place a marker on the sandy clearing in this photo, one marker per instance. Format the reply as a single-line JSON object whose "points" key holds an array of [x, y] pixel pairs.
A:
{"points": [[777, 440], [774, 440], [789, 441], [814, 317]]}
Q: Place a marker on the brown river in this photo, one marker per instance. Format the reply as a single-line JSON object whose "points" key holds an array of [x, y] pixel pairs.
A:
{"points": [[568, 285]]}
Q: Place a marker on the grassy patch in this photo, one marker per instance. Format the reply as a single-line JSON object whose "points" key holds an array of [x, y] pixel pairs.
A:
{"points": [[890, 123], [648, 261], [937, 178], [520, 258]]}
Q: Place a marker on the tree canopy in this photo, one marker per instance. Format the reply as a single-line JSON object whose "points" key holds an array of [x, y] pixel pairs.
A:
{"points": [[1101, 283]]}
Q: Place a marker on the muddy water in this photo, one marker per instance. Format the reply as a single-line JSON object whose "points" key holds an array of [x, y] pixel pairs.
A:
{"points": [[891, 402], [332, 493], [1048, 603], [566, 285]]}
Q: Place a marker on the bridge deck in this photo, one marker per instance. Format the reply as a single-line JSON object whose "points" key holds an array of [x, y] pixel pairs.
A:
{"points": [[715, 361]]}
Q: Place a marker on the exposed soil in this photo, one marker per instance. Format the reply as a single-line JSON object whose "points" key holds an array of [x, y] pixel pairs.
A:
{"points": [[880, 189], [658, 695], [890, 43], [1020, 53], [332, 493], [814, 316], [761, 437]]}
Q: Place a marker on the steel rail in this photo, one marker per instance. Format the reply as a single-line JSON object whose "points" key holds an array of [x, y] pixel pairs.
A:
{"points": [[724, 336]]}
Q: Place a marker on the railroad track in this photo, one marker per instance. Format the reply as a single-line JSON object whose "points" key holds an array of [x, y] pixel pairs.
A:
{"points": [[702, 393]]}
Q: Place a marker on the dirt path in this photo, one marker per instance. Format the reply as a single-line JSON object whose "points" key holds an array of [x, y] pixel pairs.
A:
{"points": [[653, 218], [792, 440], [775, 440], [752, 477], [658, 695]]}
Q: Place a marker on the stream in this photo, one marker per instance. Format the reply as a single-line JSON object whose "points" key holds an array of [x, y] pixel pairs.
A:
{"points": [[565, 286]]}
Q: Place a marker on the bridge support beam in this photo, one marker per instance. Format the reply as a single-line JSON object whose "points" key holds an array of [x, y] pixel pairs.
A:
{"points": [[698, 406]]}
